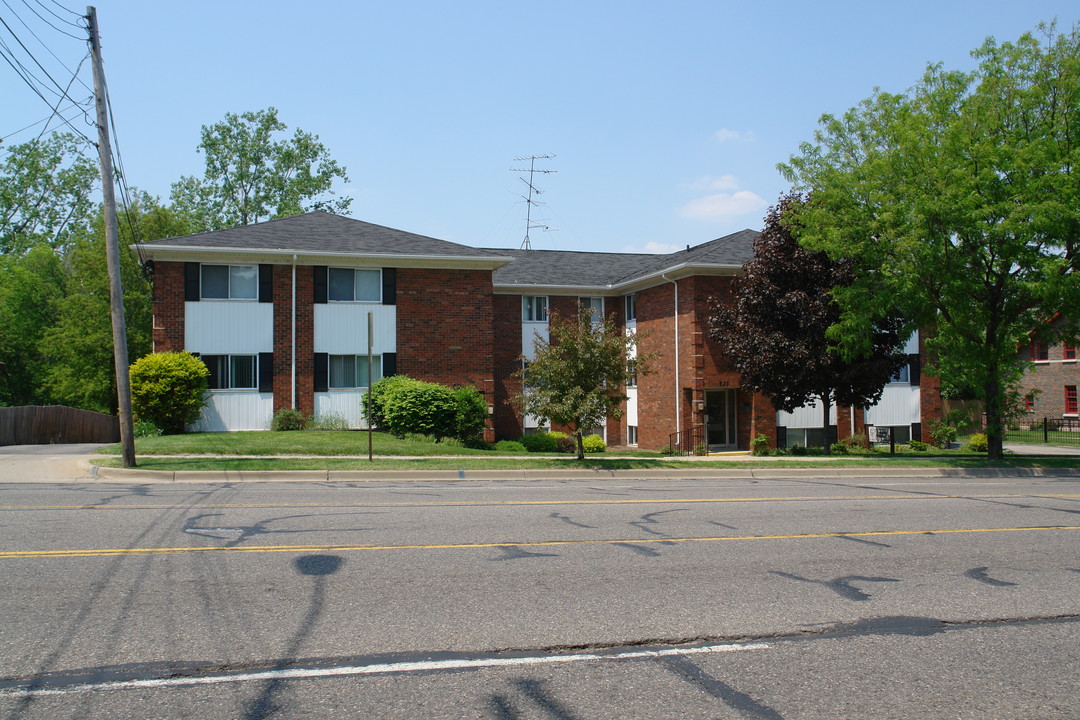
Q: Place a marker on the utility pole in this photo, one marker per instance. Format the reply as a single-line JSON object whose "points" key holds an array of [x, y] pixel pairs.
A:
{"points": [[112, 247], [533, 190]]}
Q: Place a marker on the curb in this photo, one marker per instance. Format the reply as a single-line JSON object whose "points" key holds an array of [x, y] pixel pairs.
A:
{"points": [[99, 473]]}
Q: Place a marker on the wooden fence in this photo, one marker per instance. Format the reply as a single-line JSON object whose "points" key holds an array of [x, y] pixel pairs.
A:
{"points": [[35, 425]]}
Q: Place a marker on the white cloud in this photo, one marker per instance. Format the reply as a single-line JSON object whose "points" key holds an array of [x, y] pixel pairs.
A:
{"points": [[721, 206], [726, 135], [654, 247], [715, 184]]}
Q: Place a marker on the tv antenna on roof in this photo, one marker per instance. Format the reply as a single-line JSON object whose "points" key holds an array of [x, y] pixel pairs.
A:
{"points": [[533, 190]]}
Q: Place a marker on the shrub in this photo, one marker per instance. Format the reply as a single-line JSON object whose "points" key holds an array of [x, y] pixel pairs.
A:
{"points": [[593, 443], [798, 449], [701, 449], [564, 443], [288, 419], [451, 442], [329, 421], [667, 450], [978, 443], [168, 389], [918, 446], [472, 412], [374, 401], [942, 433], [539, 442], [512, 446], [859, 442], [419, 437], [413, 406], [477, 443], [838, 448], [145, 429], [759, 445]]}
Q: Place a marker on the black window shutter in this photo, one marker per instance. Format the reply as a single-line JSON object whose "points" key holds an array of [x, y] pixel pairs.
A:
{"points": [[914, 368], [781, 436], [832, 435], [322, 372], [320, 272], [266, 372], [916, 431], [191, 281], [389, 364], [389, 286], [266, 283]]}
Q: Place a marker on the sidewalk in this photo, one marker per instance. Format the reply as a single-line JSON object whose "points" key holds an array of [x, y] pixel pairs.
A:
{"points": [[71, 463]]}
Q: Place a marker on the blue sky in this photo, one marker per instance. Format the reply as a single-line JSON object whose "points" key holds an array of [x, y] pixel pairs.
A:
{"points": [[667, 120]]}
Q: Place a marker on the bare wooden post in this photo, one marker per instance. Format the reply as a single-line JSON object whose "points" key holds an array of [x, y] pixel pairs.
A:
{"points": [[370, 325], [112, 248]]}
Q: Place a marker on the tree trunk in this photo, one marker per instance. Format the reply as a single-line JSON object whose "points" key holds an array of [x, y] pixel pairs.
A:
{"points": [[580, 445], [992, 391], [826, 401]]}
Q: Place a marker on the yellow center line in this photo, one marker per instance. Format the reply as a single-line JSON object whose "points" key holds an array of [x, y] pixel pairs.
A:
{"points": [[506, 503], [113, 552]]}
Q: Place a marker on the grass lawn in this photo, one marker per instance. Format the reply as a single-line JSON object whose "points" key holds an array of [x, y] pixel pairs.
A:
{"points": [[162, 453]]}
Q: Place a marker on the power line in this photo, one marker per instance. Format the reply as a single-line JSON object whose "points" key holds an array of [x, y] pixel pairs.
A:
{"points": [[47, 49], [47, 9], [36, 62], [31, 8], [67, 10]]}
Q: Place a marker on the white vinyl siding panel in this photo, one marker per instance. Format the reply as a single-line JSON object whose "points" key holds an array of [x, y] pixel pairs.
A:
{"points": [[224, 328], [631, 406], [529, 331], [341, 329], [807, 416], [342, 403], [236, 410], [899, 405]]}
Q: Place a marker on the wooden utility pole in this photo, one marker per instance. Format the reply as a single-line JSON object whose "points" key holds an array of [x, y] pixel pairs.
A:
{"points": [[112, 247]]}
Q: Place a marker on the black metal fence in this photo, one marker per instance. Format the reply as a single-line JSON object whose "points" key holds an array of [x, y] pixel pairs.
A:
{"points": [[689, 442], [1048, 431]]}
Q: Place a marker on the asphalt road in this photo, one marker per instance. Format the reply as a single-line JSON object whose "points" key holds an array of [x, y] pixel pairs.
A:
{"points": [[802, 598]]}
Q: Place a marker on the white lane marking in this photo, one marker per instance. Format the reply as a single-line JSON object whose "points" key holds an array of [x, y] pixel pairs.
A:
{"points": [[374, 669]]}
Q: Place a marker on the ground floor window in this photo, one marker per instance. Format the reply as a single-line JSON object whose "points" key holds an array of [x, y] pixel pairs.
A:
{"points": [[348, 372], [232, 372], [631, 434], [1070, 400]]}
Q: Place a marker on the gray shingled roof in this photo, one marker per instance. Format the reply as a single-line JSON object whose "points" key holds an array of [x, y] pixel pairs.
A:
{"points": [[598, 269], [324, 232]]}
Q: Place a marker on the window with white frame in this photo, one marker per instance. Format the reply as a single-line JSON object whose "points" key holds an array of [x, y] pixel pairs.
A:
{"points": [[596, 304], [348, 372], [631, 307], [631, 434], [353, 285], [534, 308], [232, 372], [229, 282], [902, 376]]}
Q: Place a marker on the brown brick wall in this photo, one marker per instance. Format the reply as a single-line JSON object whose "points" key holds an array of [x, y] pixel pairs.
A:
{"points": [[168, 330], [656, 391], [305, 338], [1047, 381], [445, 328], [930, 405], [507, 312]]}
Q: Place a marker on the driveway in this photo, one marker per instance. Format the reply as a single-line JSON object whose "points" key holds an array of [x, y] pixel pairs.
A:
{"points": [[46, 463]]}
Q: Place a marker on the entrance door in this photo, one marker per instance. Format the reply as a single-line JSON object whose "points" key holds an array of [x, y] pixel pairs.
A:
{"points": [[720, 419]]}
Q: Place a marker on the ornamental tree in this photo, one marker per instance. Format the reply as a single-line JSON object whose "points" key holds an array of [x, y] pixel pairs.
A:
{"points": [[775, 329], [578, 377], [960, 199]]}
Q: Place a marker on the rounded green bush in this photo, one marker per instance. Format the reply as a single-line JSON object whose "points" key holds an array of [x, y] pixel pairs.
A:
{"points": [[420, 407], [760, 445], [512, 446], [593, 443], [288, 419], [539, 442], [168, 389], [374, 401], [978, 443], [472, 413]]}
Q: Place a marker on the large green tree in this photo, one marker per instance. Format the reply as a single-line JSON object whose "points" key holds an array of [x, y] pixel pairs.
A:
{"points": [[254, 174], [960, 199], [774, 328], [578, 376], [45, 192], [31, 285], [78, 346]]}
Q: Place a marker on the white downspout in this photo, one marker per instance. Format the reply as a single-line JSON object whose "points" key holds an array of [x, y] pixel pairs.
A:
{"points": [[293, 334], [678, 413]]}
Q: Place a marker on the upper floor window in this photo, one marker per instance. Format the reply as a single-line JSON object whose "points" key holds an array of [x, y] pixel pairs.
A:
{"points": [[229, 282], [534, 308], [631, 307], [902, 376], [1040, 352], [354, 285], [351, 371], [596, 304], [1068, 351]]}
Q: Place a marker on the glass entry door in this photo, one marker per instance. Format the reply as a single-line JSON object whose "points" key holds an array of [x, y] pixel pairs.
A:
{"points": [[720, 419]]}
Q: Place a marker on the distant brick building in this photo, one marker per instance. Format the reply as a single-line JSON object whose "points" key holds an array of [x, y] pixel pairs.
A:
{"points": [[1048, 388], [279, 313]]}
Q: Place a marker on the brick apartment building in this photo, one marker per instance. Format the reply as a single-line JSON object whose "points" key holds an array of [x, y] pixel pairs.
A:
{"points": [[279, 312], [1048, 388]]}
